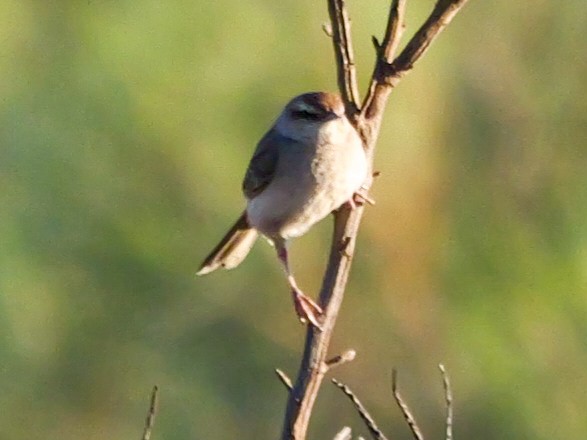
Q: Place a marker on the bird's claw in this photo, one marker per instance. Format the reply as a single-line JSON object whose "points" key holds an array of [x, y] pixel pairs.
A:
{"points": [[307, 310], [359, 199]]}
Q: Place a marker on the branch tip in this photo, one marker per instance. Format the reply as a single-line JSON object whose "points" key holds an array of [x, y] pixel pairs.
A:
{"points": [[448, 401], [376, 433], [394, 379], [343, 51], [284, 378], [405, 409], [151, 413], [390, 69]]}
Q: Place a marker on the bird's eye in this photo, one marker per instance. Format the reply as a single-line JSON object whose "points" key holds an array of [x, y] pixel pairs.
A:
{"points": [[305, 114]]}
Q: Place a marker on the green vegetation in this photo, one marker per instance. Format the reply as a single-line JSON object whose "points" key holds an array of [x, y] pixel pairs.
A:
{"points": [[125, 128]]}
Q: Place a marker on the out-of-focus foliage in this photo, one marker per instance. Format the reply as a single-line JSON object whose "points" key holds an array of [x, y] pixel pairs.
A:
{"points": [[125, 128]]}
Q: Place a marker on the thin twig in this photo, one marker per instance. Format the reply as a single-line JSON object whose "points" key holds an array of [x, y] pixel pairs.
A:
{"points": [[448, 401], [371, 425], [408, 417], [345, 59], [387, 74], [150, 420], [442, 14], [284, 378], [394, 30], [387, 49]]}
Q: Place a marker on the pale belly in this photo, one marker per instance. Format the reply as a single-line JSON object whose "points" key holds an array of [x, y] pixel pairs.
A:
{"points": [[296, 200]]}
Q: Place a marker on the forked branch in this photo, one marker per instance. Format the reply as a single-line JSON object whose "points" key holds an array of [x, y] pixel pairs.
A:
{"points": [[388, 71], [367, 119]]}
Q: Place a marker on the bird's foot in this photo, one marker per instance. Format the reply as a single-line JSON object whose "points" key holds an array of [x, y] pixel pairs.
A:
{"points": [[308, 311], [359, 199]]}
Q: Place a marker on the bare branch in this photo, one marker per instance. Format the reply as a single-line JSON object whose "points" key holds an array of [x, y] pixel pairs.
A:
{"points": [[311, 373], [367, 120], [284, 378], [371, 425], [448, 401], [442, 14], [386, 50], [150, 420], [394, 30], [345, 59], [409, 418]]}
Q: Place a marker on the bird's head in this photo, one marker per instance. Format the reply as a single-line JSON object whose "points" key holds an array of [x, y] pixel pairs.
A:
{"points": [[308, 114]]}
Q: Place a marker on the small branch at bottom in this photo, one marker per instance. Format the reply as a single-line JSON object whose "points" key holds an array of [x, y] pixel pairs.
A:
{"points": [[448, 401], [403, 406], [371, 425], [150, 420]]}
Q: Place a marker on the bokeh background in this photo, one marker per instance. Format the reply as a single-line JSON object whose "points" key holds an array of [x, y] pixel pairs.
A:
{"points": [[125, 128]]}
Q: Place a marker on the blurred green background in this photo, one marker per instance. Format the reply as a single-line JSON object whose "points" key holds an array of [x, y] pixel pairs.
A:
{"points": [[125, 129]]}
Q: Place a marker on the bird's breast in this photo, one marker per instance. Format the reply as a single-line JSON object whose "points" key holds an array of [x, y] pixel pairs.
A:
{"points": [[309, 183]]}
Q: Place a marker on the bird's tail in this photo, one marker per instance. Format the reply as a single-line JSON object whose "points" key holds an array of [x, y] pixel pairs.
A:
{"points": [[232, 249]]}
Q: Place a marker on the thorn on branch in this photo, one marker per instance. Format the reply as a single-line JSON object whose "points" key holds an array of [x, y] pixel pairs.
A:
{"points": [[407, 413], [448, 401], [327, 28], [285, 380], [150, 420], [376, 43], [369, 422]]}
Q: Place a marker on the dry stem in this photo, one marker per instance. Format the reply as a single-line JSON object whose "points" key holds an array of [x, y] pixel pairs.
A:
{"points": [[150, 419], [447, 400], [405, 409], [367, 120], [376, 433]]}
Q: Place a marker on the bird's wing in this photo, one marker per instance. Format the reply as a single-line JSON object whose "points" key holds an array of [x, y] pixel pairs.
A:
{"points": [[263, 164]]}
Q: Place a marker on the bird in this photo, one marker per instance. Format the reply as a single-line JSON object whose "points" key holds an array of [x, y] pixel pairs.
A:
{"points": [[308, 164]]}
